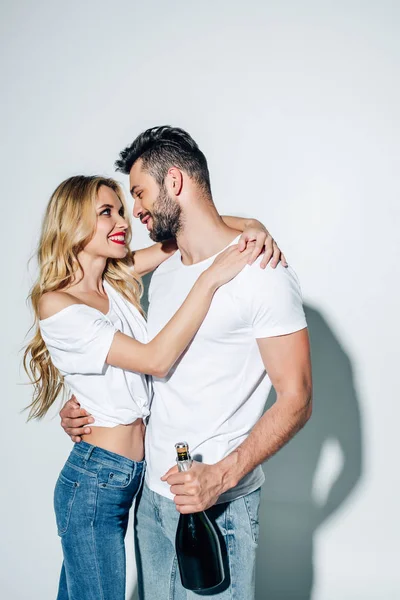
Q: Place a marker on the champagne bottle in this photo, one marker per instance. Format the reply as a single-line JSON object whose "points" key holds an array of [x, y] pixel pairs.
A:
{"points": [[197, 545]]}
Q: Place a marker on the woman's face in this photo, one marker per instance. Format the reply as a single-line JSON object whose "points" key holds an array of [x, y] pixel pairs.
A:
{"points": [[109, 238]]}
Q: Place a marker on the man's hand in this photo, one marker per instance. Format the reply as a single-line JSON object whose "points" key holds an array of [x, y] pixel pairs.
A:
{"points": [[197, 489], [74, 418], [264, 242]]}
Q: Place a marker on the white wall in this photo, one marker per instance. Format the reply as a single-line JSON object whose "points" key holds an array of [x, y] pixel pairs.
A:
{"points": [[296, 105]]}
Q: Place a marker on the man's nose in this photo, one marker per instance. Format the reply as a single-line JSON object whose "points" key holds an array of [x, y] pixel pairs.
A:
{"points": [[137, 208]]}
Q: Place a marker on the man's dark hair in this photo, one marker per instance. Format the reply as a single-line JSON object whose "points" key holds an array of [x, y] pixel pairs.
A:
{"points": [[161, 148]]}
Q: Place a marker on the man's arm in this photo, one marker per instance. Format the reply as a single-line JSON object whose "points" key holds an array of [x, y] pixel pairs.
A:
{"points": [[287, 361]]}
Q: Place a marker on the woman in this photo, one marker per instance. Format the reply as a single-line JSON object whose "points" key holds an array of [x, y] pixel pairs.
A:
{"points": [[91, 336]]}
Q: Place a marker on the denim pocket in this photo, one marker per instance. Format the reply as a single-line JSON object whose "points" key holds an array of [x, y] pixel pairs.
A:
{"points": [[113, 478], [64, 496], [252, 504]]}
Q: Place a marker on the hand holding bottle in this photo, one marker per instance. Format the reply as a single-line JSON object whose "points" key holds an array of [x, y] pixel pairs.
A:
{"points": [[197, 545]]}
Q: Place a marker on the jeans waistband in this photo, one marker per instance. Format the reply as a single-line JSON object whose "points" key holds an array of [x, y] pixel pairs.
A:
{"points": [[83, 453]]}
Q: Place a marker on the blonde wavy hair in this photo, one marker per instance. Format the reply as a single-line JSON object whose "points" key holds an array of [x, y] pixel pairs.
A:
{"points": [[69, 224]]}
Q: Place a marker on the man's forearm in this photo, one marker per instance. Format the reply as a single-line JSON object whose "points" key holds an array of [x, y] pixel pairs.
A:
{"points": [[274, 429]]}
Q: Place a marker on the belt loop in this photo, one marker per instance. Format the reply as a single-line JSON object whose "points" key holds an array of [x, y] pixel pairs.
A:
{"points": [[89, 453]]}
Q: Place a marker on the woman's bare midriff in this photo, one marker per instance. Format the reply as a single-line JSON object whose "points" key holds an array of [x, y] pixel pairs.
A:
{"points": [[126, 440]]}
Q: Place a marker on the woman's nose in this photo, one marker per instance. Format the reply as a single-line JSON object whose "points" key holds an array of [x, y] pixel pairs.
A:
{"points": [[122, 224]]}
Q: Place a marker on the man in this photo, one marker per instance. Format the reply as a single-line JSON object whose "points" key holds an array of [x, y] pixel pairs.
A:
{"points": [[253, 336]]}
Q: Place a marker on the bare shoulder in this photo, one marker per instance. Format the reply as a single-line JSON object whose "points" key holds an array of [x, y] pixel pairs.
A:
{"points": [[52, 302]]}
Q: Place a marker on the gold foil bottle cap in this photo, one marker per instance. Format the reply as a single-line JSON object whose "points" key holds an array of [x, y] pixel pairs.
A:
{"points": [[182, 449]]}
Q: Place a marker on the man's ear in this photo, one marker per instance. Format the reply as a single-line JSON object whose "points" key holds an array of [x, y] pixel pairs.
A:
{"points": [[174, 181]]}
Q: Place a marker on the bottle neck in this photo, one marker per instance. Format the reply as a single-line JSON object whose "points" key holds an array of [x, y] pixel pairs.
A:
{"points": [[183, 457], [184, 465]]}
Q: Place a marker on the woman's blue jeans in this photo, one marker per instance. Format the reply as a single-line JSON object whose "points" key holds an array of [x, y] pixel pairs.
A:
{"points": [[92, 498]]}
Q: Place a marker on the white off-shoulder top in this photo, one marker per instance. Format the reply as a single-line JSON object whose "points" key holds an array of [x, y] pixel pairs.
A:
{"points": [[79, 338]]}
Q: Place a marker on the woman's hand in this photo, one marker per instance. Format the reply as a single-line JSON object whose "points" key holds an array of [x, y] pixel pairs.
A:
{"points": [[227, 265], [263, 242]]}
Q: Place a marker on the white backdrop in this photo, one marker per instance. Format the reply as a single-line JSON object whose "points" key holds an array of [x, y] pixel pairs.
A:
{"points": [[296, 106]]}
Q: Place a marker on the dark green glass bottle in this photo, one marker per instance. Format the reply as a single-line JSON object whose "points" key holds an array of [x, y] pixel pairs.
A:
{"points": [[197, 545]]}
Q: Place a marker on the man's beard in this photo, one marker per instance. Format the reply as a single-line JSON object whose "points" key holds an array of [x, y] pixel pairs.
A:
{"points": [[167, 217]]}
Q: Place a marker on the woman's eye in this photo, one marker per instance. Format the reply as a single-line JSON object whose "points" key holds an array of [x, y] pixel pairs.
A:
{"points": [[106, 211]]}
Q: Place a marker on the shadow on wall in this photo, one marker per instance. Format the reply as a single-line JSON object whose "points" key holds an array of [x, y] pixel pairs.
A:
{"points": [[289, 513]]}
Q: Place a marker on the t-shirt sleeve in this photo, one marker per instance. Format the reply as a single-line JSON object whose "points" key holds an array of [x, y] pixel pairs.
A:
{"points": [[273, 301], [78, 339]]}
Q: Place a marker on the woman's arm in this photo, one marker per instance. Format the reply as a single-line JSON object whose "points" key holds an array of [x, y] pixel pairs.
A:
{"points": [[158, 356], [254, 231], [146, 260], [241, 223]]}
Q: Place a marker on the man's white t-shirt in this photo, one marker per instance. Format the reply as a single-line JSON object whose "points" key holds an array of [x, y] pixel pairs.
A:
{"points": [[217, 391]]}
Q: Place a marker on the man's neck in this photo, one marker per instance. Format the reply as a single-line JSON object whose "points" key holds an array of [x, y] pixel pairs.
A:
{"points": [[203, 233]]}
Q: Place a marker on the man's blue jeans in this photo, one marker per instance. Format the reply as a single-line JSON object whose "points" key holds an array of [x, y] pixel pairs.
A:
{"points": [[155, 527], [92, 498]]}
